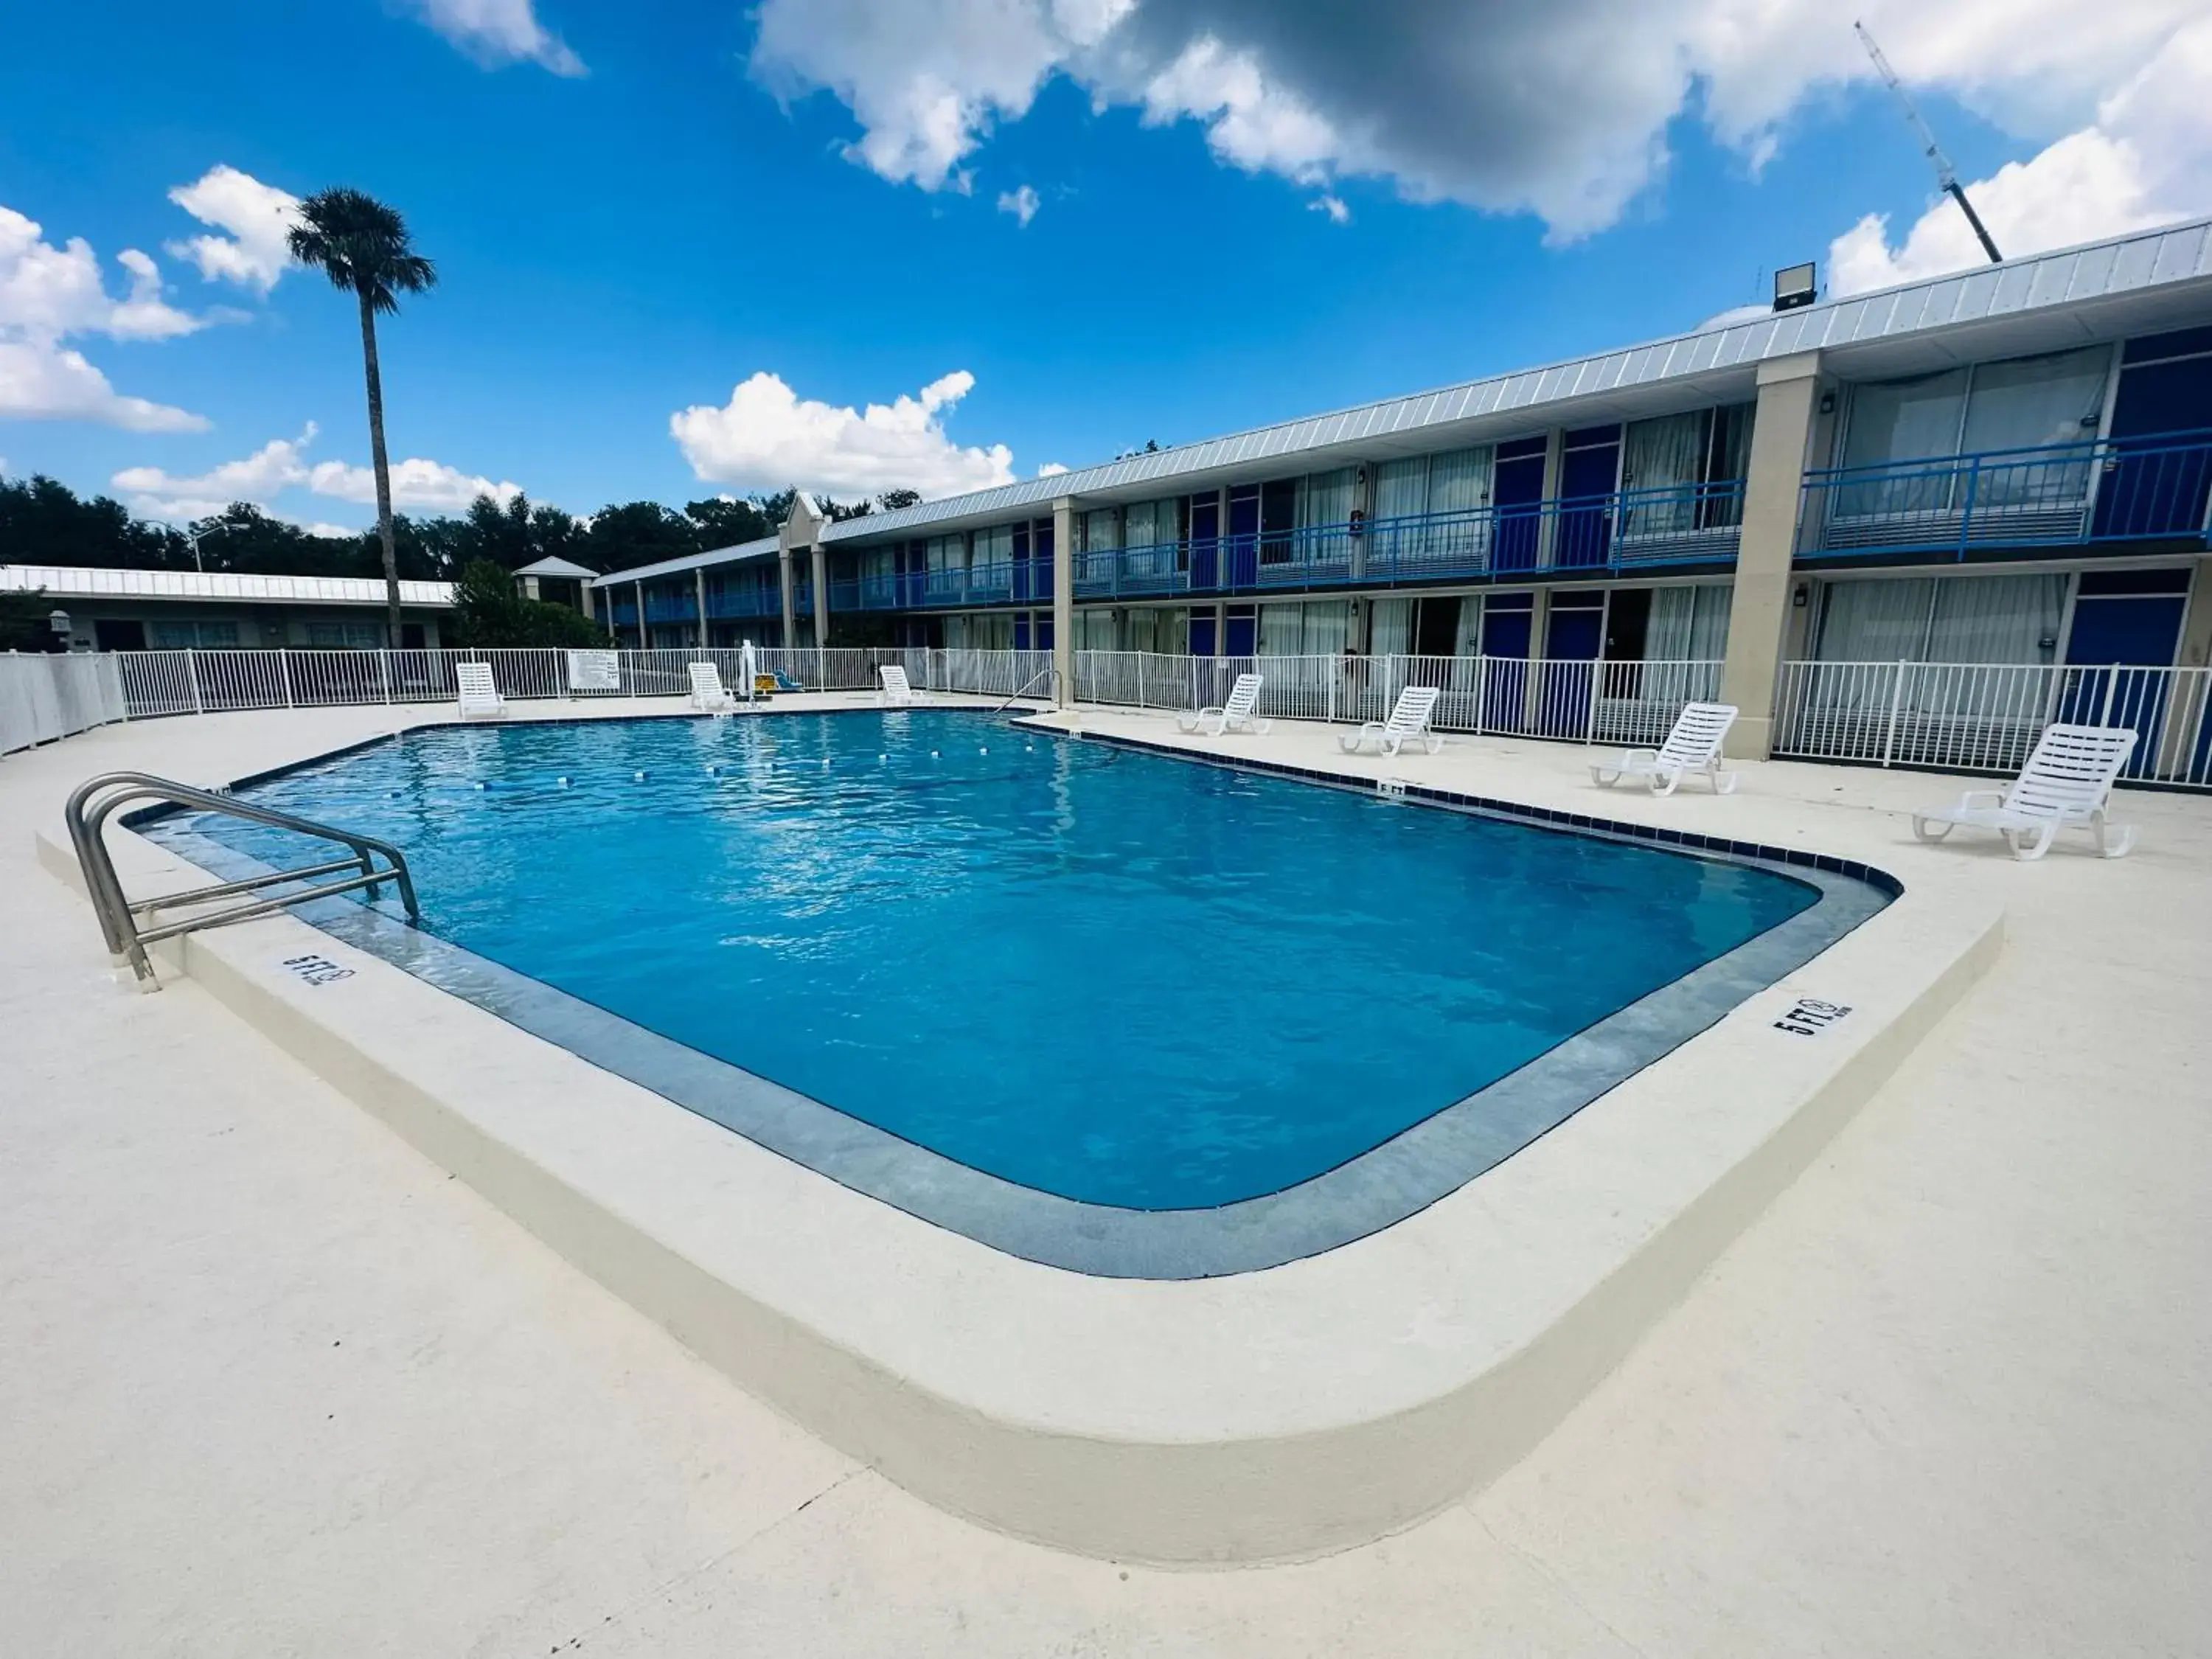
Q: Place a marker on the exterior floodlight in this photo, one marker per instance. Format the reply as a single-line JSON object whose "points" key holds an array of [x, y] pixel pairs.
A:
{"points": [[1795, 286]]}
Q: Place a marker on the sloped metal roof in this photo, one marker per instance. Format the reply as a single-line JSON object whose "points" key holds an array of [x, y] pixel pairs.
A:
{"points": [[75, 582], [721, 556], [2069, 276]]}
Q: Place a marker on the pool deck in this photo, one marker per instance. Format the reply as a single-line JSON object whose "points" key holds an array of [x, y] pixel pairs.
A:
{"points": [[273, 1382]]}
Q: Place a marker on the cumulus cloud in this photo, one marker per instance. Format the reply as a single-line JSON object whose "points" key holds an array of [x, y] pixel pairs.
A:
{"points": [[497, 33], [1332, 205], [1022, 203], [2146, 160], [48, 293], [1561, 110], [1051, 469], [766, 437], [281, 464], [258, 217]]}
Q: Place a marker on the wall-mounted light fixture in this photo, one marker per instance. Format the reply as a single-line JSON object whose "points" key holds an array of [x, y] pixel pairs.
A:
{"points": [[1803, 597], [1828, 402]]}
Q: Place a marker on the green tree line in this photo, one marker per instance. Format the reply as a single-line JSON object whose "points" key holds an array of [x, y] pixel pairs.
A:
{"points": [[44, 521]]}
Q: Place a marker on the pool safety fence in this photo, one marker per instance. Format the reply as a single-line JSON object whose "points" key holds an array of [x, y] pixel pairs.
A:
{"points": [[1960, 717], [1986, 717], [50, 696]]}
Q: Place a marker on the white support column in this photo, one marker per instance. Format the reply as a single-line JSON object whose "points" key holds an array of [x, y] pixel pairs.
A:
{"points": [[698, 592], [644, 634], [1759, 614], [1547, 525], [1063, 600], [790, 600]]}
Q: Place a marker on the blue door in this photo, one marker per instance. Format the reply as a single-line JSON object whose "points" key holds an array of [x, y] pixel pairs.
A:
{"points": [[1517, 493], [1590, 473], [1040, 577], [1241, 551], [1201, 633], [2123, 626], [2159, 466], [1508, 623], [1240, 636], [1573, 635], [1205, 543]]}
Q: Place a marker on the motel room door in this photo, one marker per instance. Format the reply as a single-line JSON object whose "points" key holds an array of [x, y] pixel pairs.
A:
{"points": [[2125, 622]]}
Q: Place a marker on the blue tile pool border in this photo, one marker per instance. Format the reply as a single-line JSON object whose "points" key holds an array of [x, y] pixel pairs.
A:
{"points": [[1367, 1194]]}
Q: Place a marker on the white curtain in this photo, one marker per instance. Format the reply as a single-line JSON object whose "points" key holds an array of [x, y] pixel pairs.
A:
{"points": [[1391, 632], [1280, 630], [1327, 626], [1905, 419], [1469, 643], [1459, 480], [2009, 619], [994, 546], [1884, 620], [1102, 528], [1326, 497], [2037, 400], [1401, 488]]}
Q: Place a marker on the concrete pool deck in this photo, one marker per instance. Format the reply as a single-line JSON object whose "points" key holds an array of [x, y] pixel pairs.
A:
{"points": [[1943, 1396]]}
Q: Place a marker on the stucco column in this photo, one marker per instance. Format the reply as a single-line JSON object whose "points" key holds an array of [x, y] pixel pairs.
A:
{"points": [[699, 591], [1789, 392], [644, 634], [1547, 526], [2192, 693], [584, 599], [821, 597], [790, 614], [1063, 601]]}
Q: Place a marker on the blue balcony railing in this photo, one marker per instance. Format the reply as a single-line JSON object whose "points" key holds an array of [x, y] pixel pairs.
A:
{"points": [[2114, 490], [1624, 530]]}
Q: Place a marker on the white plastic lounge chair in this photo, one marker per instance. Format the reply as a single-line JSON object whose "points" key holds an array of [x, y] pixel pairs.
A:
{"points": [[480, 696], [2067, 781], [896, 691], [1235, 714], [1408, 723], [1694, 745], [708, 695]]}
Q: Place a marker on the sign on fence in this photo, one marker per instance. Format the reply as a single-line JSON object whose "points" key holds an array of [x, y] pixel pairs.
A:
{"points": [[595, 670]]}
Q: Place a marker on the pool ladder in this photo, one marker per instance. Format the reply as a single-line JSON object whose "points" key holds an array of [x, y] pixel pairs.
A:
{"points": [[97, 798]]}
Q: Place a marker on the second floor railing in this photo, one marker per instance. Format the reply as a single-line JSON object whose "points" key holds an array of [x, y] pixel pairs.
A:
{"points": [[2113, 490]]}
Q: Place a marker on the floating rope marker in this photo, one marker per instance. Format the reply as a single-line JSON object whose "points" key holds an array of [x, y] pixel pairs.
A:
{"points": [[482, 785], [882, 759], [561, 783], [637, 777], [983, 751]]}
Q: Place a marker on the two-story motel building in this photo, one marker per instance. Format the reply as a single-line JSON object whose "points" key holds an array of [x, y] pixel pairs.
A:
{"points": [[2010, 464]]}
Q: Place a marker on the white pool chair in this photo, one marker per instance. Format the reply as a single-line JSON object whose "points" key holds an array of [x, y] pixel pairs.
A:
{"points": [[897, 690], [1408, 723], [708, 695], [2066, 783], [1235, 714], [1694, 745], [479, 694]]}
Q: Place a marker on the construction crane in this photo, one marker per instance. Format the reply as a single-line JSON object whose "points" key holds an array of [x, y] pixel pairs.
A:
{"points": [[1946, 175]]}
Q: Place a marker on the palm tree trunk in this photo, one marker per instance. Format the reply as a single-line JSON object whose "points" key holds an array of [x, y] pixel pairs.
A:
{"points": [[383, 466]]}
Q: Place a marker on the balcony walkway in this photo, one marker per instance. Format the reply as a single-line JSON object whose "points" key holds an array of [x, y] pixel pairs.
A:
{"points": [[274, 1383]]}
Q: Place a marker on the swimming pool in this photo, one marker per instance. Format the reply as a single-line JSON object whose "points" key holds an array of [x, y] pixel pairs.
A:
{"points": [[1049, 991]]}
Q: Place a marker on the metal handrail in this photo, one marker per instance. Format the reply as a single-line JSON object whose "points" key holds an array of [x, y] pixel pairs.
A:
{"points": [[1042, 673], [96, 799]]}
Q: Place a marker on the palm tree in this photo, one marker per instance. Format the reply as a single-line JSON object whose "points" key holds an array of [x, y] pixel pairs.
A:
{"points": [[361, 245]]}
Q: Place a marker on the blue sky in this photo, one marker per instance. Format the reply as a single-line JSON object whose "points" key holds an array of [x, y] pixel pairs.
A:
{"points": [[636, 208]]}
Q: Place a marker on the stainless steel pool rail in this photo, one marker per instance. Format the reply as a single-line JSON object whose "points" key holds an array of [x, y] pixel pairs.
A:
{"points": [[97, 798], [1052, 674]]}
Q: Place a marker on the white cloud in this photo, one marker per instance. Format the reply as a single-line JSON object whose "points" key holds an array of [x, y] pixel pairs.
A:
{"points": [[1022, 203], [281, 464], [1332, 205], [48, 293], [1051, 469], [766, 437], [258, 217], [496, 32], [1561, 110], [2146, 160]]}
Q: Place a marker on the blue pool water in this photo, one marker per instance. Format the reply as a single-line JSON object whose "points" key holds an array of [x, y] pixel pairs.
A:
{"points": [[1105, 974]]}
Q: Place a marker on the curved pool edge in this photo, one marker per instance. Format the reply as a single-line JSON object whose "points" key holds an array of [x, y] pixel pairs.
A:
{"points": [[1277, 1414], [1373, 1190]]}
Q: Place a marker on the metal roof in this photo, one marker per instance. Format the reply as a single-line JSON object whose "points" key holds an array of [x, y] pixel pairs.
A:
{"points": [[645, 573], [553, 565], [1729, 352], [71, 582]]}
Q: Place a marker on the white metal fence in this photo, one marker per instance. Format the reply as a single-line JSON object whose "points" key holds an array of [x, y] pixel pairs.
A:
{"points": [[1985, 717], [1966, 717], [43, 698]]}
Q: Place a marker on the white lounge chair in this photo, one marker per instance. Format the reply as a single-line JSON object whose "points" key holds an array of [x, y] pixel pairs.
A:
{"points": [[480, 697], [1694, 745], [1408, 723], [708, 695], [1235, 714], [2068, 782], [897, 690]]}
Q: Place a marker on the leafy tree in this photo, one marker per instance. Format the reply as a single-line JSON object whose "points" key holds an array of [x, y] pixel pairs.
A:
{"points": [[42, 521], [892, 500], [637, 533], [487, 612], [723, 523], [23, 625], [363, 247]]}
